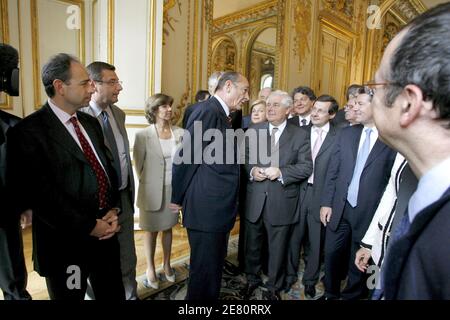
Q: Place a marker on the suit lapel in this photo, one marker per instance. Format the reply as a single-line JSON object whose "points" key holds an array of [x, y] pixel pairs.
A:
{"points": [[284, 138], [223, 115], [375, 152], [399, 250], [355, 142], [154, 140], [60, 134], [329, 139]]}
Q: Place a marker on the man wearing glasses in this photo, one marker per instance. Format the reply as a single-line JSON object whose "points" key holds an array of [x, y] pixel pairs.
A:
{"points": [[412, 112], [59, 168], [363, 163], [107, 88]]}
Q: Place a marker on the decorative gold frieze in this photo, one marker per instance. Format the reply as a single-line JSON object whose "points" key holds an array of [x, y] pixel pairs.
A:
{"points": [[302, 27], [343, 9], [252, 14]]}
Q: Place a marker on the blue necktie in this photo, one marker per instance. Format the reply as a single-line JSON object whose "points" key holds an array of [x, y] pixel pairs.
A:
{"points": [[109, 135], [363, 154]]}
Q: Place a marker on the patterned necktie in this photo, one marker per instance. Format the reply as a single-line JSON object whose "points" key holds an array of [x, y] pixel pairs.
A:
{"points": [[100, 174], [109, 135], [363, 154], [315, 151], [304, 123]]}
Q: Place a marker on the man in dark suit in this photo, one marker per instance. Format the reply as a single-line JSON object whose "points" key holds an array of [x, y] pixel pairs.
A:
{"points": [[273, 190], [363, 163], [112, 120], [346, 116], [59, 167], [304, 98], [207, 191], [412, 112], [13, 272], [322, 137]]}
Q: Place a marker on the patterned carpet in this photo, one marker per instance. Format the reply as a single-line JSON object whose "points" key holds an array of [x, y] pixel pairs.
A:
{"points": [[232, 286]]}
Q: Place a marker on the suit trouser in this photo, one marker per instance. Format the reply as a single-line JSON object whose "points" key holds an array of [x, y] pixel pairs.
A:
{"points": [[277, 237], [101, 264], [208, 250], [128, 259], [13, 272], [307, 229], [339, 244]]}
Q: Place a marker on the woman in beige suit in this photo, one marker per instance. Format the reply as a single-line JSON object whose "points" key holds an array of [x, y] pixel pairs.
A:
{"points": [[154, 148]]}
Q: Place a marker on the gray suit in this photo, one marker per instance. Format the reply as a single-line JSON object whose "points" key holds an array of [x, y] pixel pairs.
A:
{"points": [[273, 205], [128, 257], [309, 226]]}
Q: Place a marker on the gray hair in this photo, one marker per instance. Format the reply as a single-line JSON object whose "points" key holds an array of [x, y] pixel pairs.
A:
{"points": [[96, 68], [286, 99], [57, 68], [213, 80], [423, 58], [233, 76]]}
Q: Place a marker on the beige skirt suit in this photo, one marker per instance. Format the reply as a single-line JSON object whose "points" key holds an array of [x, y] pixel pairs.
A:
{"points": [[153, 168]]}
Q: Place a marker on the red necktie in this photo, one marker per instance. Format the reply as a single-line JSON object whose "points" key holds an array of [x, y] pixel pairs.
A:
{"points": [[102, 179]]}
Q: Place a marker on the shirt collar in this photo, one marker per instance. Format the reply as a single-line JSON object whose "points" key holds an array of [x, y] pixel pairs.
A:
{"points": [[63, 116], [325, 128], [224, 105], [431, 187], [307, 118], [96, 108], [280, 127], [374, 129]]}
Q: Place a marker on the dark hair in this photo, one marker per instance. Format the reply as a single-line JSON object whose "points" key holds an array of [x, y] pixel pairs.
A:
{"points": [[57, 68], [423, 58], [201, 95], [96, 68], [229, 75], [354, 90], [153, 103], [307, 91], [334, 106]]}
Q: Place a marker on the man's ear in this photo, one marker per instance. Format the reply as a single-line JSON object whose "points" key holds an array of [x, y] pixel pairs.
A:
{"points": [[332, 116], [412, 102], [59, 86]]}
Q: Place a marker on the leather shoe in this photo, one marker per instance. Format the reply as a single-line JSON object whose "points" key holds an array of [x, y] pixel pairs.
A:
{"points": [[249, 289], [230, 269], [270, 295], [310, 291]]}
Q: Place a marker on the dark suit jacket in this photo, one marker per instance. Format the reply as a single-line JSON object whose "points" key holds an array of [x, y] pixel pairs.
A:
{"points": [[323, 159], [246, 121], [281, 200], [119, 117], [417, 265], [207, 192], [296, 121], [6, 121], [49, 173], [339, 120], [187, 114], [373, 181]]}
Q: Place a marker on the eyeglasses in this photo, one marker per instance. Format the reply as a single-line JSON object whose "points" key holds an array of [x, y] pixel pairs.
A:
{"points": [[110, 83]]}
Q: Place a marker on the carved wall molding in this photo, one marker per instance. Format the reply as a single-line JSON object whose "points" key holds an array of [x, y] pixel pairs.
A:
{"points": [[168, 20], [342, 9], [264, 48], [407, 9], [253, 14], [302, 26]]}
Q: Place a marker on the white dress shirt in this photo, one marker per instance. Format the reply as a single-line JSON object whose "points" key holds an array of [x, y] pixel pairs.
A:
{"points": [[278, 134], [224, 106], [64, 117], [307, 118]]}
